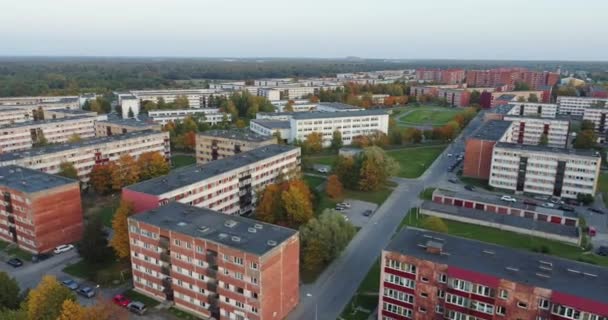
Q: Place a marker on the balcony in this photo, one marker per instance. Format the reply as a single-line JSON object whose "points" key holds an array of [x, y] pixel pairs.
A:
{"points": [[212, 260], [165, 257], [166, 270], [163, 242]]}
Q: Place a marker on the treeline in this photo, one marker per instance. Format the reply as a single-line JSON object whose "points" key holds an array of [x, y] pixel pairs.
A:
{"points": [[361, 94]]}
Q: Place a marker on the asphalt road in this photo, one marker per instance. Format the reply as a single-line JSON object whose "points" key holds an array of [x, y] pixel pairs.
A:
{"points": [[327, 297]]}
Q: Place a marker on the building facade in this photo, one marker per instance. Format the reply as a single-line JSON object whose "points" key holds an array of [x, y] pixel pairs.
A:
{"points": [[510, 77], [427, 275], [39, 211], [210, 116], [116, 126], [213, 265], [218, 144], [227, 185], [87, 153], [9, 116], [576, 105]]}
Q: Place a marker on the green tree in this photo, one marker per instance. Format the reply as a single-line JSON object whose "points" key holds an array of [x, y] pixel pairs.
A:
{"points": [[67, 169], [9, 292], [336, 140], [93, 248], [532, 97], [376, 168], [41, 140], [347, 170], [586, 139], [435, 224], [475, 97], [587, 125], [181, 102], [544, 140], [130, 114], [521, 86]]}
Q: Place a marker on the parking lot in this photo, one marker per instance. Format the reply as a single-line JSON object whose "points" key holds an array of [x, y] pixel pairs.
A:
{"points": [[355, 214]]}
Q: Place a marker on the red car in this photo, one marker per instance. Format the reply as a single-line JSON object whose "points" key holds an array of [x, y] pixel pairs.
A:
{"points": [[121, 300]]}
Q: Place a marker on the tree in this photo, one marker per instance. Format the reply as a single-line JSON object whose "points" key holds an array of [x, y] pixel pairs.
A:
{"points": [[412, 135], [298, 207], [270, 206], [40, 140], [376, 168], [152, 164], [71, 310], [93, 248], [46, 300], [120, 240], [125, 173], [74, 138], [9, 292], [289, 106], [181, 102], [532, 97], [585, 140], [336, 140], [521, 99], [313, 143], [99, 178], [521, 86], [347, 170], [9, 314], [544, 140], [435, 224], [67, 169], [585, 199], [475, 97], [334, 187], [587, 125], [240, 123]]}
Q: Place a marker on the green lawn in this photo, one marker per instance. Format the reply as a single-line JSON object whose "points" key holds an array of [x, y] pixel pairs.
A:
{"points": [[513, 240], [414, 161], [603, 186], [182, 314], [377, 197], [477, 183], [105, 274], [435, 116], [182, 161], [427, 194], [366, 296], [136, 296], [323, 160], [312, 181], [13, 251]]}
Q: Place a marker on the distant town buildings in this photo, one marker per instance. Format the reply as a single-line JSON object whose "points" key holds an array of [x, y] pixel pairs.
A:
{"points": [[218, 144], [510, 77], [211, 116], [40, 211], [448, 76]]}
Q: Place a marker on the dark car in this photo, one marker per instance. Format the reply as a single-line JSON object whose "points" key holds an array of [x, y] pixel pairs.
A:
{"points": [[572, 202], [530, 202], [40, 257], [470, 188], [596, 210], [603, 251], [86, 292], [137, 307], [368, 212], [15, 263], [566, 208], [452, 180]]}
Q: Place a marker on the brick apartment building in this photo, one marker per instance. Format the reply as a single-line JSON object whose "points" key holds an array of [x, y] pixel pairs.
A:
{"points": [[452, 94], [218, 144], [448, 76], [87, 153], [427, 275], [227, 185], [22, 136], [215, 265], [509, 77], [39, 211]]}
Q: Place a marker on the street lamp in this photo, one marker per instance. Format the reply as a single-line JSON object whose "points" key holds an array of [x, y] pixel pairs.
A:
{"points": [[310, 296]]}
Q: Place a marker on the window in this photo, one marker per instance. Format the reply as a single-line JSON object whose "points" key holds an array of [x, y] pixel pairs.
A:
{"points": [[443, 278], [253, 265], [238, 261], [522, 305], [424, 294], [461, 285], [238, 275], [482, 290], [440, 294], [398, 295], [565, 312], [177, 242], [439, 309], [397, 310], [482, 307], [500, 310], [391, 278], [543, 304], [424, 279], [457, 300], [422, 310], [504, 294], [394, 264]]}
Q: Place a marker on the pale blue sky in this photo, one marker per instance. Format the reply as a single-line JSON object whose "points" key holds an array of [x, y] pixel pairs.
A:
{"points": [[453, 29]]}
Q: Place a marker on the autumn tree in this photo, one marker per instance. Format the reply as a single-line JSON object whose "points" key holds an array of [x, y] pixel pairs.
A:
{"points": [[435, 224], [376, 168], [289, 106], [270, 207], [181, 102], [71, 310], [240, 123], [347, 170], [100, 178], [412, 135], [46, 300], [336, 140], [9, 292], [152, 164], [288, 203], [313, 143], [125, 173], [120, 240], [532, 97], [334, 187], [587, 125], [74, 138], [586, 139], [93, 248], [298, 207], [40, 140], [67, 169]]}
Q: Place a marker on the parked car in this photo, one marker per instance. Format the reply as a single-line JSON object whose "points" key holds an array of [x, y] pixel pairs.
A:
{"points": [[544, 198], [340, 208], [470, 188], [572, 202], [322, 170], [530, 202], [596, 210], [508, 199], [368, 212], [86, 292], [121, 300], [452, 180], [449, 154], [15, 262], [602, 251], [63, 248], [566, 208], [70, 284], [40, 257], [344, 204], [592, 232], [548, 205], [137, 307]]}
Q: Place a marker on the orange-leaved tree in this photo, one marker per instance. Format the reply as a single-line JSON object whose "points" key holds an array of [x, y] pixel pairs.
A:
{"points": [[120, 240], [334, 187], [152, 164]]}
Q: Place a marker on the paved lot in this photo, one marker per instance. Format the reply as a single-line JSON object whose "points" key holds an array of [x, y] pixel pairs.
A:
{"points": [[355, 213]]}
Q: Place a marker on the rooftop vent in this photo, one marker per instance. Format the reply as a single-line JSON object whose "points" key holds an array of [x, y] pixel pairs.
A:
{"points": [[434, 247], [222, 236], [230, 223], [182, 224], [235, 239], [203, 228], [252, 230], [271, 243], [258, 226]]}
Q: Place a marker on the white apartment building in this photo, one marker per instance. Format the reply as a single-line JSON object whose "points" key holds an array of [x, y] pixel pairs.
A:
{"points": [[115, 126], [212, 116], [526, 109], [129, 103], [598, 117], [269, 127], [269, 93], [213, 145], [350, 124], [529, 130], [297, 106], [278, 116], [336, 107], [576, 105], [547, 171], [197, 98], [69, 102], [11, 115], [226, 185], [23, 136], [87, 153]]}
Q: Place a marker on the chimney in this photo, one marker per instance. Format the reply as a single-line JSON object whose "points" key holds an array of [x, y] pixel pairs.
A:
{"points": [[434, 247]]}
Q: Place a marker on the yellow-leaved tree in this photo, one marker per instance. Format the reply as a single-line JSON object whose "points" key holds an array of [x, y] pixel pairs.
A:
{"points": [[298, 207], [152, 164], [46, 300], [126, 172], [71, 310], [120, 240], [334, 187]]}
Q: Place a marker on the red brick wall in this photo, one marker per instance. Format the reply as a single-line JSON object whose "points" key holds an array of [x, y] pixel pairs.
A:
{"points": [[280, 280], [57, 217], [478, 158], [141, 201]]}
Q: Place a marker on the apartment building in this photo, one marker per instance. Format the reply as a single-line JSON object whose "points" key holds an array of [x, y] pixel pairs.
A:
{"points": [[9, 116], [547, 171], [45, 102], [197, 98], [479, 148], [24, 135], [336, 107], [452, 94], [269, 93], [428, 275], [509, 77], [211, 116], [218, 144], [213, 265], [87, 153], [350, 124], [498, 98], [70, 113], [129, 104], [39, 211], [268, 127], [448, 76], [297, 105], [576, 105], [226, 185], [531, 130], [598, 117], [114, 126]]}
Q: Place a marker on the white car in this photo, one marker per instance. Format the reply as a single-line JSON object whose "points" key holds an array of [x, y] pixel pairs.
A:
{"points": [[449, 154], [344, 204], [322, 170], [508, 198], [548, 205], [63, 248]]}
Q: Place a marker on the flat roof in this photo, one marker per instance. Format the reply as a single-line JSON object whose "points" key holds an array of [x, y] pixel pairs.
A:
{"points": [[188, 175], [141, 121], [272, 124], [72, 111], [236, 134], [339, 106], [577, 152], [492, 130], [504, 219], [43, 122], [74, 145], [566, 276], [237, 232], [321, 114], [29, 180]]}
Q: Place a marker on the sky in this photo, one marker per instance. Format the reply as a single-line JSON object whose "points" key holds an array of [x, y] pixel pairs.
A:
{"points": [[402, 29]]}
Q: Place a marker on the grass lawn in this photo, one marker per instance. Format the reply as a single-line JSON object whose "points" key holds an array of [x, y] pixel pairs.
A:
{"points": [[377, 197], [477, 183], [14, 251], [429, 116], [105, 274], [414, 161], [427, 194], [182, 314], [323, 160], [511, 239], [603, 186], [366, 296], [182, 161], [313, 181], [136, 296]]}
